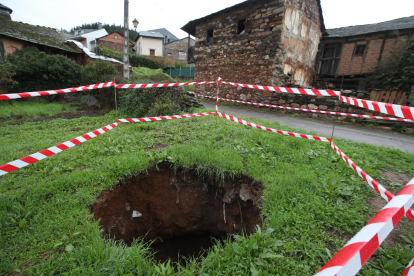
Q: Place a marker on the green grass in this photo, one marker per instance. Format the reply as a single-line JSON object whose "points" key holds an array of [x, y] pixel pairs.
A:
{"points": [[32, 108], [150, 75], [312, 205]]}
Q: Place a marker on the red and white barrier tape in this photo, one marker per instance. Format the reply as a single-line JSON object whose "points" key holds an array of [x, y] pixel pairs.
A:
{"points": [[298, 135], [155, 85], [387, 195], [53, 92], [409, 271], [163, 118], [33, 158], [310, 110], [401, 111], [313, 92], [350, 259]]}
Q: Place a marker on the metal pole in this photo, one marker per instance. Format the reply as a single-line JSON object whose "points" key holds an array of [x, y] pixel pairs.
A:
{"points": [[126, 41]]}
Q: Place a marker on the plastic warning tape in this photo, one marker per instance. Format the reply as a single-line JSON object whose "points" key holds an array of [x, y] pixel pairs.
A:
{"points": [[409, 271], [155, 85], [218, 94], [309, 110], [401, 111], [54, 92], [33, 158], [313, 92], [163, 118], [298, 135], [387, 195], [350, 259]]}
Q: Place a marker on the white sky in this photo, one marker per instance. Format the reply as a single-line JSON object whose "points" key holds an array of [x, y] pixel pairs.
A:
{"points": [[172, 15]]}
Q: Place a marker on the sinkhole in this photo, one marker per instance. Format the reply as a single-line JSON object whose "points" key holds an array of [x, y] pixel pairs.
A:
{"points": [[178, 211]]}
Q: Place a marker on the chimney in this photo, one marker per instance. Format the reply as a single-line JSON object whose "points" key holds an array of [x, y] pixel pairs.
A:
{"points": [[5, 12], [99, 26]]}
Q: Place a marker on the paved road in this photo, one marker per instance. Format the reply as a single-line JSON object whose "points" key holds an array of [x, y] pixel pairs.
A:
{"points": [[359, 134]]}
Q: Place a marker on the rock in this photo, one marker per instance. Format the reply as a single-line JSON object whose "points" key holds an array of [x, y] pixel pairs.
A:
{"points": [[323, 107], [243, 97], [360, 95], [312, 106], [245, 192], [295, 105], [347, 92], [91, 101], [337, 109], [304, 106], [281, 101], [350, 109]]}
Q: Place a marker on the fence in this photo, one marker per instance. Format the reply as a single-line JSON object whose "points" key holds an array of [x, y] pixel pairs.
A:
{"points": [[350, 259], [185, 72]]}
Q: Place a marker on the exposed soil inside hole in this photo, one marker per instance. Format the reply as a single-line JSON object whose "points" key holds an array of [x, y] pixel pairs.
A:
{"points": [[181, 212]]}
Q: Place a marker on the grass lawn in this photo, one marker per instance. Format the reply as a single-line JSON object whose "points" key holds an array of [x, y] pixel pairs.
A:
{"points": [[312, 205]]}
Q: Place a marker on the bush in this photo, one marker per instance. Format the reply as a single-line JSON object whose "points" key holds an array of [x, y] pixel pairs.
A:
{"points": [[397, 73], [97, 72], [140, 61], [36, 71], [179, 64], [108, 53], [151, 102]]}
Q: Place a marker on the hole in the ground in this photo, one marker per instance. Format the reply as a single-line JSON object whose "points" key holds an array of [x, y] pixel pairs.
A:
{"points": [[182, 213]]}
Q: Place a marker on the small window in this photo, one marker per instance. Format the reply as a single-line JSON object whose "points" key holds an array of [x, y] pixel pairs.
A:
{"points": [[241, 26], [169, 54], [360, 50], [115, 36], [210, 36], [152, 52], [182, 55]]}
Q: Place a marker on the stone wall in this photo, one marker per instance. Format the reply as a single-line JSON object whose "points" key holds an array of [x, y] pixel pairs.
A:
{"points": [[172, 50], [254, 57]]}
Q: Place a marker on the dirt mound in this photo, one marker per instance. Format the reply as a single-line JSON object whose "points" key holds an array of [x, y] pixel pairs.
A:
{"points": [[179, 211]]}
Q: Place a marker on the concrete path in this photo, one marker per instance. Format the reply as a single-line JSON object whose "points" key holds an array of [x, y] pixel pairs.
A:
{"points": [[359, 134]]}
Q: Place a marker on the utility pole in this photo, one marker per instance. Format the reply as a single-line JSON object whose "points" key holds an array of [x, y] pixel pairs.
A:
{"points": [[126, 41]]}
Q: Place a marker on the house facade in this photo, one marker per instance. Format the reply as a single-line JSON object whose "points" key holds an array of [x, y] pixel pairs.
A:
{"points": [[91, 35], [113, 41], [258, 42], [149, 43], [347, 55], [178, 50]]}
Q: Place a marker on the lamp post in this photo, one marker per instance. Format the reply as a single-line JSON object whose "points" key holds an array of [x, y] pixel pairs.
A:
{"points": [[135, 22], [126, 41]]}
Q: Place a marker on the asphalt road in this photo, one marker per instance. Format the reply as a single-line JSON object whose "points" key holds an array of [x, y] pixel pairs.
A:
{"points": [[359, 134]]}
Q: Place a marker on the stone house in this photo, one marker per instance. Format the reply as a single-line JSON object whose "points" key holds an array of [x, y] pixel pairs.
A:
{"points": [[178, 50], [267, 42], [347, 55], [113, 41]]}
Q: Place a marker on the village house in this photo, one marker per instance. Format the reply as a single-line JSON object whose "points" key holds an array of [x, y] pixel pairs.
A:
{"points": [[91, 35], [265, 42], [347, 55], [14, 35], [168, 36], [113, 41], [178, 50], [149, 43]]}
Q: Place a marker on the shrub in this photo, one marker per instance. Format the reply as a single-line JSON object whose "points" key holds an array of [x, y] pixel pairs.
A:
{"points": [[104, 51], [140, 61], [97, 72], [151, 102], [35, 71], [179, 64], [397, 73]]}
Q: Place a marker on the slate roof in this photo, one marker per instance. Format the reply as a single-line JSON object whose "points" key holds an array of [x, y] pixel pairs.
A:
{"points": [[165, 32], [392, 25], [149, 34], [35, 34], [191, 25], [6, 8]]}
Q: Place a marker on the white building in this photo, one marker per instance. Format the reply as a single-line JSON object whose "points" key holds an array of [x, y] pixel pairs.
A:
{"points": [[149, 43], [91, 35]]}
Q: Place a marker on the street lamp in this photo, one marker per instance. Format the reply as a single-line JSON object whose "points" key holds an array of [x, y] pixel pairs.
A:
{"points": [[135, 22]]}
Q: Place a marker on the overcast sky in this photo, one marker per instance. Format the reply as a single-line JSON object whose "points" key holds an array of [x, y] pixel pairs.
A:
{"points": [[172, 15]]}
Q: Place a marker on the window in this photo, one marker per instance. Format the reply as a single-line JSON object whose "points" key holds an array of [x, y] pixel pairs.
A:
{"points": [[210, 36], [115, 36], [331, 56], [169, 54], [360, 50], [182, 55], [241, 26], [152, 52]]}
